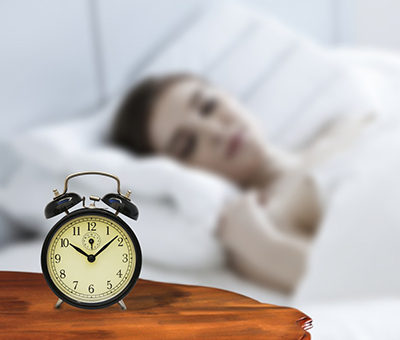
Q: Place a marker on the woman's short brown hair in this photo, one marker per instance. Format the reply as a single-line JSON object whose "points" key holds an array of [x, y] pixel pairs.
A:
{"points": [[131, 125]]}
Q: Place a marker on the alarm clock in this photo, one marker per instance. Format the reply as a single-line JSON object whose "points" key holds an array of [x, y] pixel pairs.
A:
{"points": [[91, 258]]}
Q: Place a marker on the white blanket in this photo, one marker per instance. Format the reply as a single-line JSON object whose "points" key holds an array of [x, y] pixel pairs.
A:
{"points": [[357, 249]]}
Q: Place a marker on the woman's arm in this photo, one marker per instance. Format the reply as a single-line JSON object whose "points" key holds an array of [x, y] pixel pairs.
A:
{"points": [[257, 249]]}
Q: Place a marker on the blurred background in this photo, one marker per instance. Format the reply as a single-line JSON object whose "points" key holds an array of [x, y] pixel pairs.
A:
{"points": [[296, 64]]}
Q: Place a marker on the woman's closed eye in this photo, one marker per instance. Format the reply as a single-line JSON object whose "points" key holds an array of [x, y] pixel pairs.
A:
{"points": [[183, 144], [208, 106]]}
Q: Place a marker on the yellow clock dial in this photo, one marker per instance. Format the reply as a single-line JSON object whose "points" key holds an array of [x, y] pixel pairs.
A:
{"points": [[91, 258]]}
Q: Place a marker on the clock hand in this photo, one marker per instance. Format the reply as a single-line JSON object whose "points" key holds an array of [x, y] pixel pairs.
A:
{"points": [[105, 246], [79, 250]]}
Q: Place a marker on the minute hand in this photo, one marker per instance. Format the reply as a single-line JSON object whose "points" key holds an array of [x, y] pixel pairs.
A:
{"points": [[105, 246]]}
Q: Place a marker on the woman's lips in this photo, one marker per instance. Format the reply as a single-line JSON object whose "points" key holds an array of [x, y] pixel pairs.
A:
{"points": [[234, 143]]}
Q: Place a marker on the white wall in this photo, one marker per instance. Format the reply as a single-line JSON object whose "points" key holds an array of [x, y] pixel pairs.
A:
{"points": [[377, 24]]}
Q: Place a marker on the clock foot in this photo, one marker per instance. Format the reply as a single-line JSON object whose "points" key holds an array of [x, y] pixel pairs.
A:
{"points": [[122, 304], [58, 303]]}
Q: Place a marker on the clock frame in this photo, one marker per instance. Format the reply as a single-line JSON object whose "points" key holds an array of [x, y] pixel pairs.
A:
{"points": [[91, 245]]}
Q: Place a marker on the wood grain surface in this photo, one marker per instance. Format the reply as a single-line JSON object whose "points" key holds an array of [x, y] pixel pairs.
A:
{"points": [[155, 311]]}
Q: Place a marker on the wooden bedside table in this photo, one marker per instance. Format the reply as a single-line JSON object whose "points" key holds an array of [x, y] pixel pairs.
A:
{"points": [[155, 311]]}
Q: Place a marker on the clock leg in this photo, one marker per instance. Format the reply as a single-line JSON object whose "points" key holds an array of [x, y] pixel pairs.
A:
{"points": [[122, 304], [58, 303]]}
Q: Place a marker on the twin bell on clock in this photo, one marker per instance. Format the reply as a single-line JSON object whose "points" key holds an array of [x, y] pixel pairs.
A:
{"points": [[91, 258]]}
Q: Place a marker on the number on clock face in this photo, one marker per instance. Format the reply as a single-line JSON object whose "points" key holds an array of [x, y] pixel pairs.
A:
{"points": [[91, 259]]}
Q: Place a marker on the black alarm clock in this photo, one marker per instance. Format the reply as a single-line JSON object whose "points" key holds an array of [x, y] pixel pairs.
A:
{"points": [[91, 258]]}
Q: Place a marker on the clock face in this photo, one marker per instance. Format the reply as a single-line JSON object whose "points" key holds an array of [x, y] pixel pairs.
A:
{"points": [[91, 258]]}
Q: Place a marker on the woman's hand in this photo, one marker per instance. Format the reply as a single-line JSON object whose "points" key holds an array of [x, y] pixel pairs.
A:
{"points": [[256, 247], [243, 220]]}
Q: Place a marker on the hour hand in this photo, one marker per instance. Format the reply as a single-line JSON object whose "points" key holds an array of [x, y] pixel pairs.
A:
{"points": [[79, 250]]}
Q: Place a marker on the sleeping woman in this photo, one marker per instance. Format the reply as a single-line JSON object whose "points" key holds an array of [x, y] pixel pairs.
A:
{"points": [[268, 230]]}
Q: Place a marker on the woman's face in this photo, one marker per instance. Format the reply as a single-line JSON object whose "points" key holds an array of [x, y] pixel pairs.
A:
{"points": [[204, 127]]}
